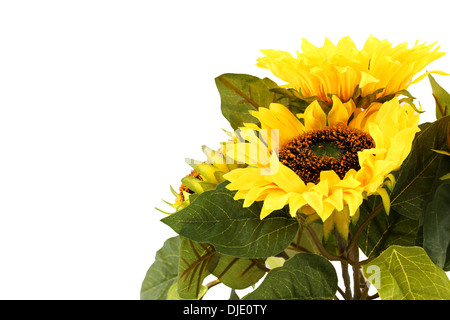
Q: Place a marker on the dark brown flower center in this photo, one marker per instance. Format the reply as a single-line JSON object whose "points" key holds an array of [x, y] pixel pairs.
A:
{"points": [[331, 148]]}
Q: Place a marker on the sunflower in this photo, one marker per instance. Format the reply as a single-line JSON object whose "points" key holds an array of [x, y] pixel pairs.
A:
{"points": [[204, 176], [321, 164], [378, 70]]}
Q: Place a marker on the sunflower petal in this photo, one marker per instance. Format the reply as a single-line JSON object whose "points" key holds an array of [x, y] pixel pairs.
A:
{"points": [[340, 112], [315, 117], [385, 198]]}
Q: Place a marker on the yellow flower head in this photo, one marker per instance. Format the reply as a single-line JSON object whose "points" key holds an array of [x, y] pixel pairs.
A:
{"points": [[378, 68], [321, 164]]}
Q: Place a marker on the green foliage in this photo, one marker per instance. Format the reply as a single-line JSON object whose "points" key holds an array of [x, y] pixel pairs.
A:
{"points": [[418, 172], [292, 99], [305, 276], [163, 273], [303, 238], [215, 217], [238, 273], [441, 97], [195, 259], [407, 273], [241, 93], [436, 225], [173, 293], [384, 230]]}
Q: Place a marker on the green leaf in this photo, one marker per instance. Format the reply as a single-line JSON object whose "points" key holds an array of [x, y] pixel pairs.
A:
{"points": [[215, 217], [241, 93], [233, 295], [174, 295], [417, 174], [304, 241], [407, 273], [436, 225], [384, 230], [195, 259], [305, 276], [441, 97], [291, 98], [238, 273], [163, 273]]}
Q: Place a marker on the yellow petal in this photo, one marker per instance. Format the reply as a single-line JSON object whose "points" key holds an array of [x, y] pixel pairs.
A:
{"points": [[244, 178], [385, 198], [314, 199], [287, 179], [442, 73], [349, 182], [258, 194], [336, 199], [367, 78], [240, 195], [340, 112], [273, 201], [315, 117], [353, 199], [331, 177], [285, 116], [372, 44], [327, 211], [276, 200], [296, 201], [280, 118]]}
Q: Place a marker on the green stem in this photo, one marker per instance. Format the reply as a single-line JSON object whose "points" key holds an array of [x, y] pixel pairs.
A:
{"points": [[366, 287], [346, 277], [317, 242], [341, 243], [356, 275], [298, 248], [364, 224], [283, 255]]}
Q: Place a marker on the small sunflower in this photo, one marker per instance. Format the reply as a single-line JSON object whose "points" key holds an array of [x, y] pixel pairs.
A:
{"points": [[378, 70], [204, 176], [321, 165]]}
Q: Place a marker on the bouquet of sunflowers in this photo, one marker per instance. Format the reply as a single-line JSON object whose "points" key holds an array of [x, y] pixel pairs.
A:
{"points": [[330, 168]]}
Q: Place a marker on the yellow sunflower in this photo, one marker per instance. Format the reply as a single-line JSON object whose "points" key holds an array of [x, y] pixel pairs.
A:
{"points": [[379, 68], [321, 164]]}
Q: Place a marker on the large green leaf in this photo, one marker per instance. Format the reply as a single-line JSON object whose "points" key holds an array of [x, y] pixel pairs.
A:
{"points": [[215, 217], [292, 99], [241, 93], [304, 240], [407, 273], [195, 259], [174, 295], [238, 273], [163, 273], [436, 225], [418, 172], [305, 276], [441, 97], [384, 230]]}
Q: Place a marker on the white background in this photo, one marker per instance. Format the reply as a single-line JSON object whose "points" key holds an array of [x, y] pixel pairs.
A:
{"points": [[101, 101]]}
